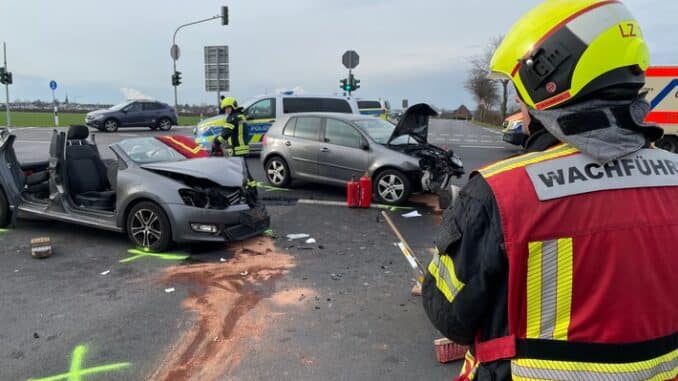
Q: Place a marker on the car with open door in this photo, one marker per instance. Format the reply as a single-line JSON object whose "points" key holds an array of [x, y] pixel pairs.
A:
{"points": [[152, 191], [332, 148]]}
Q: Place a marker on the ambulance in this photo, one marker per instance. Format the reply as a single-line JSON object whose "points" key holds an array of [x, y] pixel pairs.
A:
{"points": [[661, 86]]}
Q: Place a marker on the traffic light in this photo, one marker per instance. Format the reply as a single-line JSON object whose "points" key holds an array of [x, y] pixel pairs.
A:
{"points": [[224, 15], [176, 78], [345, 85], [5, 76], [353, 83]]}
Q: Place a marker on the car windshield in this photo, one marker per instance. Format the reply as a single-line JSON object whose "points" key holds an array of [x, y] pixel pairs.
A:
{"points": [[381, 130], [149, 150], [120, 106]]}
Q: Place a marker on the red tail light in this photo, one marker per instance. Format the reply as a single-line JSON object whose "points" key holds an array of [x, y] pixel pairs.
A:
{"points": [[264, 141]]}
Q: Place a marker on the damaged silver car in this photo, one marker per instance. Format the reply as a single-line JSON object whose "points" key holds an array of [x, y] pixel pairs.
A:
{"points": [[151, 192], [332, 148]]}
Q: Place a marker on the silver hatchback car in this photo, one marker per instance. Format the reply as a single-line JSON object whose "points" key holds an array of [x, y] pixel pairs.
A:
{"points": [[333, 148]]}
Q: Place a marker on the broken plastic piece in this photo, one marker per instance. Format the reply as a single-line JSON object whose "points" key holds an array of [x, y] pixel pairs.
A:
{"points": [[292, 237], [106, 272], [310, 241], [169, 290], [412, 214]]}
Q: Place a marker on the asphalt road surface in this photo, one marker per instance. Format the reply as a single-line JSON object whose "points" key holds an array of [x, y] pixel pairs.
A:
{"points": [[336, 309]]}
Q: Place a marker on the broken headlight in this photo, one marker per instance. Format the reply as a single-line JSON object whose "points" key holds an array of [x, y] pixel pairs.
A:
{"points": [[211, 198]]}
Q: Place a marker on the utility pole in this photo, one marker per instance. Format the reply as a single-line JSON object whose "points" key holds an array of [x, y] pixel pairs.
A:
{"points": [[174, 51], [9, 120]]}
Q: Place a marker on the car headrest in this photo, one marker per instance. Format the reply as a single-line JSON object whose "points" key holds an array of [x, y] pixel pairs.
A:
{"points": [[77, 133]]}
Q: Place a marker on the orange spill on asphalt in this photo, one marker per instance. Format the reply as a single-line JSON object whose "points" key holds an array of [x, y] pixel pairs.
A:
{"points": [[233, 310]]}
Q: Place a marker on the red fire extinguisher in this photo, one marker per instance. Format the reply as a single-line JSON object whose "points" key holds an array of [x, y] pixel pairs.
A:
{"points": [[365, 191], [353, 193]]}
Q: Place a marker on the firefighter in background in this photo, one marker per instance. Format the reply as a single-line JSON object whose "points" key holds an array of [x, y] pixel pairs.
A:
{"points": [[233, 138], [560, 264]]}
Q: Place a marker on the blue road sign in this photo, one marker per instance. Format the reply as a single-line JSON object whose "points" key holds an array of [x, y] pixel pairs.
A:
{"points": [[52, 85]]}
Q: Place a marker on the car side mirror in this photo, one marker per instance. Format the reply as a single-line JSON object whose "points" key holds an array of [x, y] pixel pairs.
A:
{"points": [[365, 146]]}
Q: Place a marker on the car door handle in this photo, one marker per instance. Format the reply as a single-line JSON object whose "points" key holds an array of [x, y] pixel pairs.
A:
{"points": [[324, 149], [288, 143]]}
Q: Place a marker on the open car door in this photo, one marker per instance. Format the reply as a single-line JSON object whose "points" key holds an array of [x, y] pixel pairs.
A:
{"points": [[11, 176]]}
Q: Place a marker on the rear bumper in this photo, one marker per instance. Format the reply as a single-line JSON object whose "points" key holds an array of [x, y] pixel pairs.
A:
{"points": [[236, 223]]}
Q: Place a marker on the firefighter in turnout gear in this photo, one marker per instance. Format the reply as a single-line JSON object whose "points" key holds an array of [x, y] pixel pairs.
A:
{"points": [[233, 138], [559, 264]]}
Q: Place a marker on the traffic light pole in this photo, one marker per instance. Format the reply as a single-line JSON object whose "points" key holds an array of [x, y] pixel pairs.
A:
{"points": [[8, 120], [174, 59], [350, 72]]}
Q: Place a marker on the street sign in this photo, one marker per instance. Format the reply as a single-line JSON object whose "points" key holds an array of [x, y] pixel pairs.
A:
{"points": [[52, 85], [217, 75], [351, 59], [175, 52]]}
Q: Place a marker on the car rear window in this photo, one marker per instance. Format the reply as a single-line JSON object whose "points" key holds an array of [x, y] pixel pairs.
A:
{"points": [[304, 128], [297, 105], [368, 104]]}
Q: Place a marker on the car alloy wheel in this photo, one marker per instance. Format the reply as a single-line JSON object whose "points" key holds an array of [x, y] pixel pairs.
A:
{"points": [[165, 124], [391, 188], [145, 228], [111, 125], [276, 172]]}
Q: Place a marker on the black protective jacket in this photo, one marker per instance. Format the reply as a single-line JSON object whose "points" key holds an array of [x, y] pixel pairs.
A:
{"points": [[471, 233]]}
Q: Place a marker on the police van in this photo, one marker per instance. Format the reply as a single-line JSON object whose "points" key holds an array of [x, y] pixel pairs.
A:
{"points": [[376, 108], [662, 94], [262, 111]]}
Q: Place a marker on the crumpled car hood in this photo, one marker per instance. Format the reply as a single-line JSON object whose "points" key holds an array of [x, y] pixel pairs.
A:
{"points": [[222, 171], [414, 122]]}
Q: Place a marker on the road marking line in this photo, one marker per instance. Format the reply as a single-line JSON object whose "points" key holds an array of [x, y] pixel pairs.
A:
{"points": [[32, 141], [484, 147]]}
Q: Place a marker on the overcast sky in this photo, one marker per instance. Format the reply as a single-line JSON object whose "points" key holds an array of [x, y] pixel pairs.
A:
{"points": [[408, 49]]}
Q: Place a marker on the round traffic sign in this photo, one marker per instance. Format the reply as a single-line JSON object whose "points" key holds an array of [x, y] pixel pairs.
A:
{"points": [[52, 85]]}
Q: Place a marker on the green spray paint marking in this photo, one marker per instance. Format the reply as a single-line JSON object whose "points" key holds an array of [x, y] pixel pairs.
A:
{"points": [[76, 372], [4, 230], [269, 188], [138, 254]]}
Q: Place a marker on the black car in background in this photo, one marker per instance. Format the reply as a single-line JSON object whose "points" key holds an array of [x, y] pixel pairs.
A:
{"points": [[136, 113]]}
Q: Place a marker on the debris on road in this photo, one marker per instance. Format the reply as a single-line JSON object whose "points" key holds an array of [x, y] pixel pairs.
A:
{"points": [[169, 290], [406, 250], [222, 260], [336, 276], [412, 214], [244, 273], [447, 350], [105, 272], [41, 247], [293, 237], [311, 241]]}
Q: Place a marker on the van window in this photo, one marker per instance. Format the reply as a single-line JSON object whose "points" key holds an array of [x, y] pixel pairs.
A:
{"points": [[307, 128], [298, 104], [363, 105], [264, 109], [342, 134]]}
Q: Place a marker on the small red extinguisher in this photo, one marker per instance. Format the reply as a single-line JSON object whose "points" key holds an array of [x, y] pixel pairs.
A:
{"points": [[365, 191], [353, 193]]}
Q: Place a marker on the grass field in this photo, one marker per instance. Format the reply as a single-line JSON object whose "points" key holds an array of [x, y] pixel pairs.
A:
{"points": [[46, 119], [489, 125]]}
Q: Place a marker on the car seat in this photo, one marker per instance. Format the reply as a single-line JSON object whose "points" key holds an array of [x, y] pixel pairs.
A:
{"points": [[87, 177]]}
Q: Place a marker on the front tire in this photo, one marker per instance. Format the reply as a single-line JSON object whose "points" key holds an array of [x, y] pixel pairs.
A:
{"points": [[148, 227], [111, 125], [391, 187], [278, 172], [164, 124], [5, 212], [668, 143]]}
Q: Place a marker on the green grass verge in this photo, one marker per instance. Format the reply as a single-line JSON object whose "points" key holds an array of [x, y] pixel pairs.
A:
{"points": [[46, 119], [488, 125]]}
